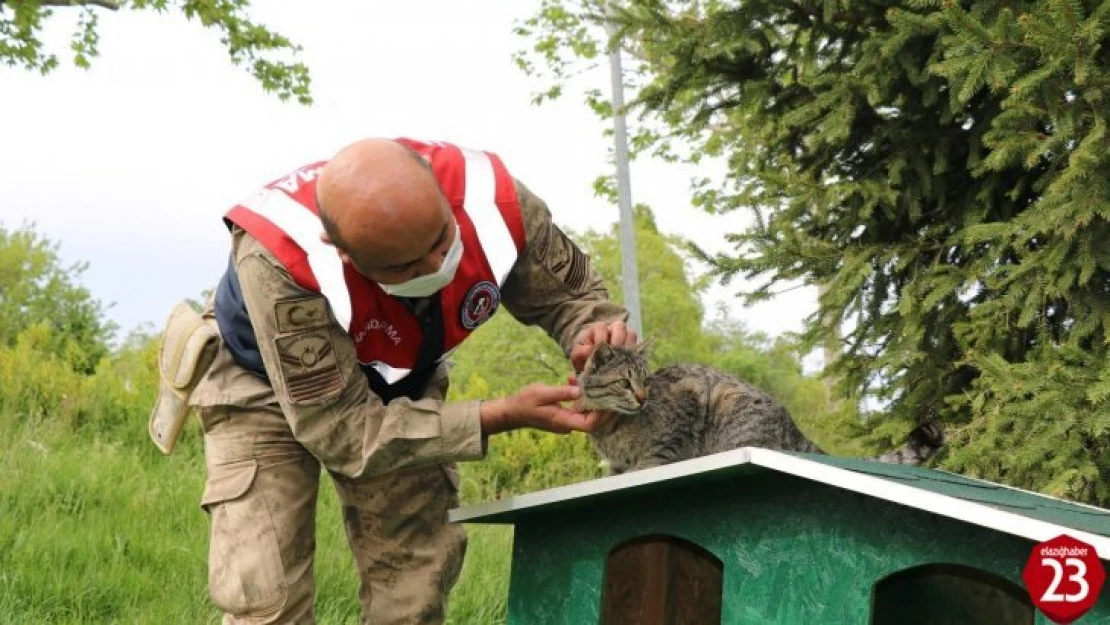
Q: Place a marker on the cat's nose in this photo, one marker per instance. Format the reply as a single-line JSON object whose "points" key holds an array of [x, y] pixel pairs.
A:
{"points": [[641, 395]]}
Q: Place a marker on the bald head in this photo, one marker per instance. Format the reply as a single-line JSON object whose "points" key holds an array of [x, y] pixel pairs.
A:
{"points": [[382, 208]]}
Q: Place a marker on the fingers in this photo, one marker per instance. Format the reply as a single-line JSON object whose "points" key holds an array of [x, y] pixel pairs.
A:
{"points": [[543, 394], [579, 355], [599, 332], [618, 332], [578, 421], [554, 418], [590, 335], [596, 419], [563, 421], [621, 334], [540, 406], [593, 421]]}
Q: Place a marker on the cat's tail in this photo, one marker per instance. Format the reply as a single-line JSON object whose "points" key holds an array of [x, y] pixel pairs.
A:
{"points": [[922, 443]]}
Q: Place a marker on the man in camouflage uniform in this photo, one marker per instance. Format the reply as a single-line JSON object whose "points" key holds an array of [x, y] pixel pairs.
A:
{"points": [[270, 426]]}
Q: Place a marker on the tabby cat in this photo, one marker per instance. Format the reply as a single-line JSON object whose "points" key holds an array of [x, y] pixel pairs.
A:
{"points": [[689, 410]]}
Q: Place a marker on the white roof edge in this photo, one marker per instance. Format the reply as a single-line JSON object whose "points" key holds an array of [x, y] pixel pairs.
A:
{"points": [[602, 485], [871, 485], [923, 499]]}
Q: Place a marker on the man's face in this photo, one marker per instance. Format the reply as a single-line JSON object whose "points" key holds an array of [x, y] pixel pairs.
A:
{"points": [[420, 252]]}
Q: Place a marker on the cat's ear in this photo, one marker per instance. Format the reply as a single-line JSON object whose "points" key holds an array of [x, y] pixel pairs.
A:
{"points": [[644, 347], [602, 353]]}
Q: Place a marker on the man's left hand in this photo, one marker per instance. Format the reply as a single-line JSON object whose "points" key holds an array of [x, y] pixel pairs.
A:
{"points": [[615, 333]]}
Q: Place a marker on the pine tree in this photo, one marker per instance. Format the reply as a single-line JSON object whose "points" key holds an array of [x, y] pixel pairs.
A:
{"points": [[941, 166]]}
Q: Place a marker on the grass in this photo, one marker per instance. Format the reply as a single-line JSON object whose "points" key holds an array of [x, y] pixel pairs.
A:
{"points": [[96, 526], [100, 532]]}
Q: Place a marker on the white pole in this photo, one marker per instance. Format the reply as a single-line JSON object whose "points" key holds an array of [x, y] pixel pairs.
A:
{"points": [[630, 281]]}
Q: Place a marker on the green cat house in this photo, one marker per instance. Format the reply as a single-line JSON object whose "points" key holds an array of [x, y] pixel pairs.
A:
{"points": [[760, 537]]}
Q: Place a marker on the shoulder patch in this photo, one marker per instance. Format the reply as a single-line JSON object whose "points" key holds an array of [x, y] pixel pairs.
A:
{"points": [[298, 314], [480, 304], [564, 259], [308, 366]]}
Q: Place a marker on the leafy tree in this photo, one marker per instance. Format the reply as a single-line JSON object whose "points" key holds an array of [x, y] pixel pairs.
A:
{"points": [[669, 295], [940, 167], [35, 288], [247, 42]]}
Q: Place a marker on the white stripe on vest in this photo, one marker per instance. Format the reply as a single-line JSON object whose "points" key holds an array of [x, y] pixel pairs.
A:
{"points": [[481, 192], [305, 229]]}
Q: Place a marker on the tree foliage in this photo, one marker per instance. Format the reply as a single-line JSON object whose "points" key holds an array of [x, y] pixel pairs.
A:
{"points": [[264, 52], [37, 290], [941, 166]]}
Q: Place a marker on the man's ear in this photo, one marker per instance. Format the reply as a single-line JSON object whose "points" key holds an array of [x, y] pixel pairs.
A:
{"points": [[342, 255]]}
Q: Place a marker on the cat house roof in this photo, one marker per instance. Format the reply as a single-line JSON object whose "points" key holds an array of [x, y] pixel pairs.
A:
{"points": [[1001, 508]]}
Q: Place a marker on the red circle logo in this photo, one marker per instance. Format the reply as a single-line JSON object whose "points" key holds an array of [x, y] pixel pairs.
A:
{"points": [[480, 304], [1064, 577]]}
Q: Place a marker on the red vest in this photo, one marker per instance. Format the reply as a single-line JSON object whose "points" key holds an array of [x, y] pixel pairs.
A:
{"points": [[284, 218]]}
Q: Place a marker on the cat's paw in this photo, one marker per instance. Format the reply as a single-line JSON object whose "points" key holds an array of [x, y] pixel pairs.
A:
{"points": [[610, 468], [647, 464], [606, 467]]}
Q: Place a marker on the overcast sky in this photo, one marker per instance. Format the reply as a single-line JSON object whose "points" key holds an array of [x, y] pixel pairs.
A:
{"points": [[130, 165]]}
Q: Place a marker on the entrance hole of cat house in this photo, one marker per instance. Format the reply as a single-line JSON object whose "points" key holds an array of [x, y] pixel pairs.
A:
{"points": [[949, 593], [661, 580]]}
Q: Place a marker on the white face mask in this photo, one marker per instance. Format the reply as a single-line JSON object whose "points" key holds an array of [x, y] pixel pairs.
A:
{"points": [[430, 284]]}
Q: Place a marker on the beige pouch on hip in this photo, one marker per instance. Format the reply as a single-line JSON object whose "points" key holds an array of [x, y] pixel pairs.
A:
{"points": [[189, 345]]}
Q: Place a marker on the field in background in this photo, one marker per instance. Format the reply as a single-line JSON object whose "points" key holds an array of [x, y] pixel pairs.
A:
{"points": [[94, 532]]}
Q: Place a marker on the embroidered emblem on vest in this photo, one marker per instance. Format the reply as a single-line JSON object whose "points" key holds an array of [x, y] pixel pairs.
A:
{"points": [[480, 304]]}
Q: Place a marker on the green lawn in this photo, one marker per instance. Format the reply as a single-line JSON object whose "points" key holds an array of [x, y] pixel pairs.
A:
{"points": [[96, 532], [96, 526]]}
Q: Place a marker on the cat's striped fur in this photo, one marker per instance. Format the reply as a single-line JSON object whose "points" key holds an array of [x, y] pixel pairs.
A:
{"points": [[689, 410]]}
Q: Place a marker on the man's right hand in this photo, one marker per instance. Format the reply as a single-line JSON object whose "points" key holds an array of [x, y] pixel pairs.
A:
{"points": [[537, 406]]}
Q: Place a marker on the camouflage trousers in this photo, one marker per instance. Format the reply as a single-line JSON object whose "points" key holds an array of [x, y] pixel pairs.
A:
{"points": [[260, 497]]}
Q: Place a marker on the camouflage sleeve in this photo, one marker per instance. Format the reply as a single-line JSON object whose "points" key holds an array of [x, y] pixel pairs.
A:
{"points": [[311, 364], [552, 284]]}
